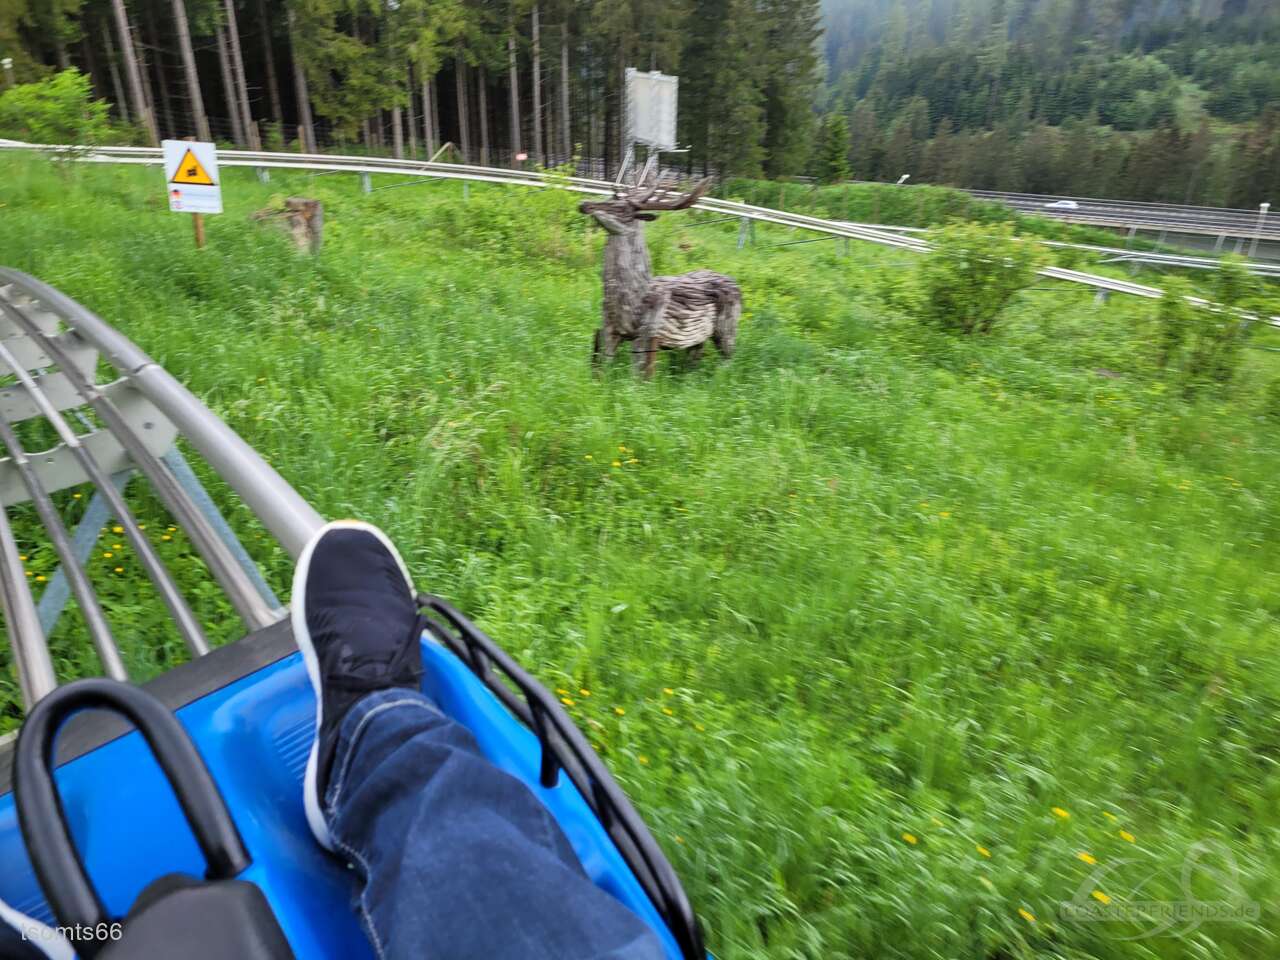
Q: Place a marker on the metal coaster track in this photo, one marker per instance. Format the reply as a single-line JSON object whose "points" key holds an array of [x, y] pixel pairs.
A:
{"points": [[50, 349]]}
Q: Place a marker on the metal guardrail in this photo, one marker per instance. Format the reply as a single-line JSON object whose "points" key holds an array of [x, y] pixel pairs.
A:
{"points": [[883, 236]]}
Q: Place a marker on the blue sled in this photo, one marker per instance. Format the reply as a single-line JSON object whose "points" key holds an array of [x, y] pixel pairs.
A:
{"points": [[250, 711]]}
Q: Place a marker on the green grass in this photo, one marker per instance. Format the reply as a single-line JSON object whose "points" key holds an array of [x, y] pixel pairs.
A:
{"points": [[863, 582]]}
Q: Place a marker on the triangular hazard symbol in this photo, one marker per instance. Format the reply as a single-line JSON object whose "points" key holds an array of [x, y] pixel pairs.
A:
{"points": [[190, 170]]}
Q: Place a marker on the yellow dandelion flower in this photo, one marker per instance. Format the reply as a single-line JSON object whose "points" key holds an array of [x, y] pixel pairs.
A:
{"points": [[1128, 837], [22, 556], [616, 463], [166, 537], [30, 574], [117, 529], [566, 701], [622, 448], [910, 838], [936, 822], [983, 850], [588, 457], [944, 514], [1108, 814], [1101, 897], [619, 711], [143, 526], [1026, 915], [679, 839], [173, 529], [633, 460], [987, 883], [668, 711], [1059, 812], [700, 728], [643, 759], [668, 691], [108, 554], [117, 546], [584, 692], [562, 692], [1088, 858], [119, 569], [40, 579]]}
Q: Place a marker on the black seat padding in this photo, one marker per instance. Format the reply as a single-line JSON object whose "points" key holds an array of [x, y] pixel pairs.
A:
{"points": [[180, 916]]}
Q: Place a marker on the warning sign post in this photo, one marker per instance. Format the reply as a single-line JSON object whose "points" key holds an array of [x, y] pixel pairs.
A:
{"points": [[191, 178]]}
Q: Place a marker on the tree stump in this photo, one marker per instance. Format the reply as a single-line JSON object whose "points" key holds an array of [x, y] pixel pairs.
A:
{"points": [[302, 218]]}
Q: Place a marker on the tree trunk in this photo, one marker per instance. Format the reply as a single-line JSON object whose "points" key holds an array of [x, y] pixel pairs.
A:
{"points": [[136, 95], [229, 88], [429, 136], [268, 60], [64, 60], [412, 127], [122, 104], [139, 51], [91, 66], [537, 151], [566, 138], [397, 133], [189, 66], [514, 98], [164, 117], [237, 74], [464, 118], [306, 130], [436, 137], [484, 116]]}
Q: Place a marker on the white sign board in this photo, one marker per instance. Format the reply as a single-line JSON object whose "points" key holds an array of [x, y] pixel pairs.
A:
{"points": [[191, 172], [651, 108]]}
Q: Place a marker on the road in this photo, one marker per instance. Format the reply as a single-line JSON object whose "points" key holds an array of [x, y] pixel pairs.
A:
{"points": [[1174, 218]]}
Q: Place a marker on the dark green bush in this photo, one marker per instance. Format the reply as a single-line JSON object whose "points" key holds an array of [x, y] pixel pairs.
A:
{"points": [[60, 109], [971, 275]]}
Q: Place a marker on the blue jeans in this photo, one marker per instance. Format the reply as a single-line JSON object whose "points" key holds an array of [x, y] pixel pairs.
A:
{"points": [[457, 858]]}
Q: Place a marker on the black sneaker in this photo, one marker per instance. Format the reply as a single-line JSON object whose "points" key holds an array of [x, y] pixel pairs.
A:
{"points": [[356, 622]]}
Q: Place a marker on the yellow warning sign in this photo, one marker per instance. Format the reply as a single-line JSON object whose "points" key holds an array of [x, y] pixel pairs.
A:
{"points": [[190, 170]]}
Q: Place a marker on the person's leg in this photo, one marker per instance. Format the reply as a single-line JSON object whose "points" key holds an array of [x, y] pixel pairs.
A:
{"points": [[456, 858]]}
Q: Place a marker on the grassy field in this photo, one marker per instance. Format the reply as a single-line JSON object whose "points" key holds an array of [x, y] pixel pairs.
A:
{"points": [[899, 641]]}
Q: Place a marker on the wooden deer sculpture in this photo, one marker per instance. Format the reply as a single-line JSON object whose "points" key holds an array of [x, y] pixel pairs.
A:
{"points": [[657, 313]]}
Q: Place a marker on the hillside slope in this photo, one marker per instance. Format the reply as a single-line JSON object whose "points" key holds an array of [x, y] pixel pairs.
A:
{"points": [[882, 630], [1125, 98]]}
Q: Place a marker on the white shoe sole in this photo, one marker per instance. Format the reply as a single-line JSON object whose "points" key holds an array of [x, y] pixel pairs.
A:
{"points": [[311, 799], [50, 942]]}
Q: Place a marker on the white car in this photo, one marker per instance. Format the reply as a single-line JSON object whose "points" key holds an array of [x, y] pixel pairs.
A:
{"points": [[1062, 205]]}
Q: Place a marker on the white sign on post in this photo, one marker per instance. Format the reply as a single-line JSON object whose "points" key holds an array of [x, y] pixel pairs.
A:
{"points": [[651, 108], [191, 171]]}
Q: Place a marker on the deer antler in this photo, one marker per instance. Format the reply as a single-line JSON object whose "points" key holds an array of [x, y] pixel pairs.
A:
{"points": [[658, 197]]}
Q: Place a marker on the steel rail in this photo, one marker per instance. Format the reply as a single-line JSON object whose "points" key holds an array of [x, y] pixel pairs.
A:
{"points": [[240, 590], [91, 610], [188, 626], [448, 171], [285, 514], [31, 657]]}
